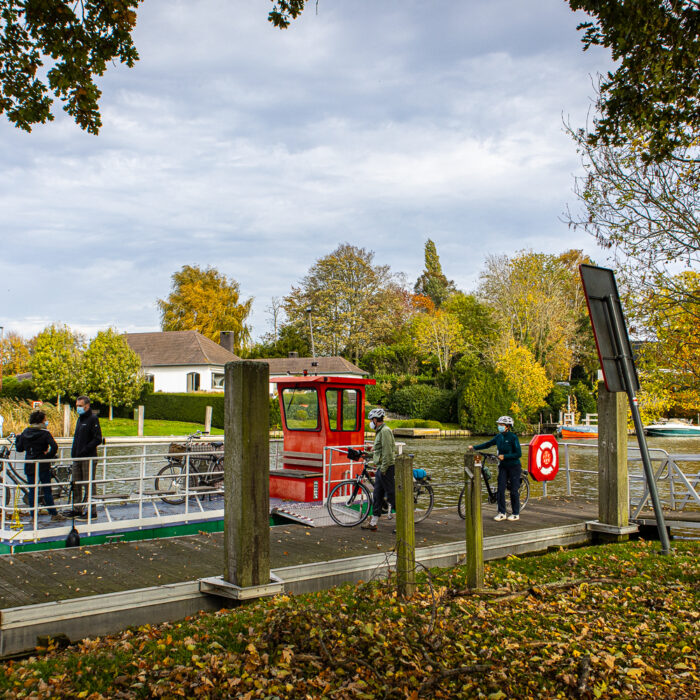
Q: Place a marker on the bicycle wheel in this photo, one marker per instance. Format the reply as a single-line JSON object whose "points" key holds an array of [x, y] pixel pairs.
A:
{"points": [[172, 477], [524, 492], [61, 473], [423, 500], [349, 503]]}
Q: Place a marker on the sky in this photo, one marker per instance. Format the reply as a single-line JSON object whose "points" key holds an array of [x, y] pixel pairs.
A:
{"points": [[256, 151]]}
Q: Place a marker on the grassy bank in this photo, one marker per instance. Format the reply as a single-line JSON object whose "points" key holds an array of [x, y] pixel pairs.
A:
{"points": [[609, 621], [126, 427]]}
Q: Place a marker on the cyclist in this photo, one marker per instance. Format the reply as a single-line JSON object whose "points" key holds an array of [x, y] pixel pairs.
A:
{"points": [[383, 458], [509, 469]]}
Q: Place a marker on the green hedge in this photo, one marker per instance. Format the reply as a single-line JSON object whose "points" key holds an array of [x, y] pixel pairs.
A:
{"points": [[482, 398], [423, 401], [13, 388]]}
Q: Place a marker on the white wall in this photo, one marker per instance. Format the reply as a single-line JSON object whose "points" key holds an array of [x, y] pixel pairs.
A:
{"points": [[174, 379]]}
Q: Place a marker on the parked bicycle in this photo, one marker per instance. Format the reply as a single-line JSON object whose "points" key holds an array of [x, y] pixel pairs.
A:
{"points": [[350, 501], [492, 491], [191, 466]]}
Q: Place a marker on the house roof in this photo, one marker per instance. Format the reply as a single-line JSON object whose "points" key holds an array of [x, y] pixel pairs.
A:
{"points": [[167, 348], [281, 366]]}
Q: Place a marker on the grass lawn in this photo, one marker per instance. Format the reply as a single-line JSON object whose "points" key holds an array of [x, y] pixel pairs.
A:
{"points": [[126, 427], [610, 621]]}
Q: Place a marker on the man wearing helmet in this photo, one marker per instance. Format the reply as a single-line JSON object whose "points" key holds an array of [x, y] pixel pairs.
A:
{"points": [[383, 458], [509, 470]]}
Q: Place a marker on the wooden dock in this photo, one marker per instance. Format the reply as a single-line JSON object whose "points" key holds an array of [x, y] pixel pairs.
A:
{"points": [[100, 589]]}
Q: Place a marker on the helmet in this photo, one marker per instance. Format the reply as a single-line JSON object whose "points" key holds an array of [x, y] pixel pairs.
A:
{"points": [[377, 413], [505, 420]]}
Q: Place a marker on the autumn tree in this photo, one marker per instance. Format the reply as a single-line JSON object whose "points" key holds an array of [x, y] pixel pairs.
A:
{"points": [[15, 355], [354, 303], [205, 301], [432, 283], [438, 333], [110, 371], [56, 361]]}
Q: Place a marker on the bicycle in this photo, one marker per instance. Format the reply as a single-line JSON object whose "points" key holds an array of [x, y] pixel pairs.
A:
{"points": [[205, 470], [492, 492], [350, 501]]}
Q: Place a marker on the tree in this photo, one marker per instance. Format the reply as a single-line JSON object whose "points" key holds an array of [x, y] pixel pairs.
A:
{"points": [[433, 283], [77, 41], [653, 93], [110, 371], [55, 362], [354, 303], [15, 355], [438, 333], [526, 378], [208, 302]]}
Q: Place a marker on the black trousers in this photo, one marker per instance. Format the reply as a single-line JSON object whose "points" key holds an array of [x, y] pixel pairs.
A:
{"points": [[510, 475], [84, 470], [383, 488]]}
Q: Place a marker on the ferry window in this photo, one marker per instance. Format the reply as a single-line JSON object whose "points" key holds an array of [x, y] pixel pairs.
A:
{"points": [[300, 409], [342, 406]]}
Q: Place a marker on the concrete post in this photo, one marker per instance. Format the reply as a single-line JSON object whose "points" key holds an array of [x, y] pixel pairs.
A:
{"points": [[207, 419], [140, 418], [246, 474], [66, 420], [613, 489], [405, 531], [473, 524]]}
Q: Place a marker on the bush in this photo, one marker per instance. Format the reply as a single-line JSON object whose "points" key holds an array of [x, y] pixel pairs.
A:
{"points": [[423, 401], [415, 423], [483, 396], [13, 388]]}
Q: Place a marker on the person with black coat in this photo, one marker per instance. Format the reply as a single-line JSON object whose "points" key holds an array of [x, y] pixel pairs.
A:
{"points": [[86, 439], [37, 443]]}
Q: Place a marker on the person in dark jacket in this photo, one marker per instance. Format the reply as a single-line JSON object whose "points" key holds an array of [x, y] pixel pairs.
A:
{"points": [[37, 443], [509, 470], [86, 440]]}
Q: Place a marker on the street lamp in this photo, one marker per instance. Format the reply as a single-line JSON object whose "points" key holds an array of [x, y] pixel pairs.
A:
{"points": [[309, 309]]}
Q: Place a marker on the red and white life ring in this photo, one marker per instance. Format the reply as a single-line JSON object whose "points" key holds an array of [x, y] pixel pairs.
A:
{"points": [[543, 458]]}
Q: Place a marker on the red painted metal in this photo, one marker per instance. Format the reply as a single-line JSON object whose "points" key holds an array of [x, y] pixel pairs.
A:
{"points": [[543, 457]]}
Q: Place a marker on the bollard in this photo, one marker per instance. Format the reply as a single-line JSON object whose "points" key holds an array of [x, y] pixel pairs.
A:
{"points": [[207, 419], [66, 420], [139, 430], [474, 526], [405, 531], [246, 474]]}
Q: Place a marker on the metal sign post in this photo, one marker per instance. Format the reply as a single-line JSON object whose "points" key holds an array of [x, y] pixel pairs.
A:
{"points": [[617, 363]]}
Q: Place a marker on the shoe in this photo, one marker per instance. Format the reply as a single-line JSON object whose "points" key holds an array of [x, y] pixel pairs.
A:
{"points": [[83, 516], [58, 518], [513, 517], [70, 513], [500, 516], [43, 511], [369, 526]]}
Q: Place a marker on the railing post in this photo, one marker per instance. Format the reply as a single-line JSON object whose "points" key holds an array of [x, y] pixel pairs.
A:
{"points": [[139, 431], [613, 501], [66, 420], [405, 531], [473, 524], [207, 419], [247, 474]]}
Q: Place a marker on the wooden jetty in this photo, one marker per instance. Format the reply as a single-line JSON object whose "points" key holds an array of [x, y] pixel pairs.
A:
{"points": [[93, 590]]}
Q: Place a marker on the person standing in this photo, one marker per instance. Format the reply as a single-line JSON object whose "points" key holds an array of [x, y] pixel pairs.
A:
{"points": [[509, 469], [86, 440], [383, 457], [37, 443]]}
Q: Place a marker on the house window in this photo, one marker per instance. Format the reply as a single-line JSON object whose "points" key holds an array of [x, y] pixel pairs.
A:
{"points": [[300, 409], [150, 379], [342, 406], [192, 381], [217, 380]]}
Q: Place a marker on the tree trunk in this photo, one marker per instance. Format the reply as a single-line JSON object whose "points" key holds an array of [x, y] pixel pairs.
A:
{"points": [[111, 413]]}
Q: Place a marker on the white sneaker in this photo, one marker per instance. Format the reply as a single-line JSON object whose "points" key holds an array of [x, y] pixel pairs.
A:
{"points": [[513, 517], [500, 516]]}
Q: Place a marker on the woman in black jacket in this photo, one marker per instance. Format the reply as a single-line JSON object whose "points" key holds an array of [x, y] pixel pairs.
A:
{"points": [[37, 443]]}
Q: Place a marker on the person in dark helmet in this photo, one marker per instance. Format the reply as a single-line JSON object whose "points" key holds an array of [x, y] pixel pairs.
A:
{"points": [[383, 457], [509, 469]]}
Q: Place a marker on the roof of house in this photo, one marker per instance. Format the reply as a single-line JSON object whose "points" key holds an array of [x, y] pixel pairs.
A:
{"points": [[280, 366], [167, 348]]}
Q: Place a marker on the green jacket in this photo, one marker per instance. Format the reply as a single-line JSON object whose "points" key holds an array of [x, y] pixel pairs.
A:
{"points": [[383, 448]]}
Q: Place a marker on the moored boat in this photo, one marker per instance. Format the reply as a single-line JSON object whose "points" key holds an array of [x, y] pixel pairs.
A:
{"points": [[672, 428], [573, 432]]}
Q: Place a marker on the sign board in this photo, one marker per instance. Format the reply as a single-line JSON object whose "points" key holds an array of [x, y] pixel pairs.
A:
{"points": [[609, 329]]}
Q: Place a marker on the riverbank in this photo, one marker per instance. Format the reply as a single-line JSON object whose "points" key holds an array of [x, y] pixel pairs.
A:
{"points": [[593, 622]]}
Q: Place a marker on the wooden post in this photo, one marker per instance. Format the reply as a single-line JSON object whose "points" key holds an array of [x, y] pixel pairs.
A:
{"points": [[246, 474], [207, 419], [139, 430], [66, 420], [405, 531], [473, 524], [613, 494]]}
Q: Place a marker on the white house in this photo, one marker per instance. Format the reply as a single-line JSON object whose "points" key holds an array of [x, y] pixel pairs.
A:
{"points": [[181, 361]]}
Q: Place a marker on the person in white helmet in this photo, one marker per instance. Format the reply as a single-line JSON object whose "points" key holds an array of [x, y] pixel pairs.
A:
{"points": [[509, 469], [383, 457]]}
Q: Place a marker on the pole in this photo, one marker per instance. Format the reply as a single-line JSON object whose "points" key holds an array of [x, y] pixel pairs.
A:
{"points": [[626, 366], [141, 415], [473, 523], [311, 331], [207, 419], [405, 530]]}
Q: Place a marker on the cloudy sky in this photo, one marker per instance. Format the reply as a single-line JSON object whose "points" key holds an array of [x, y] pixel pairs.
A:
{"points": [[256, 151]]}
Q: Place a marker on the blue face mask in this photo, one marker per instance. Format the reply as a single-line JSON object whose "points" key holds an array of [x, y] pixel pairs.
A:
{"points": [[501, 428], [46, 424], [80, 410]]}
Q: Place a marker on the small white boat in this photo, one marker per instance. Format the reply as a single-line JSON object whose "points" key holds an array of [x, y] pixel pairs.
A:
{"points": [[672, 428]]}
